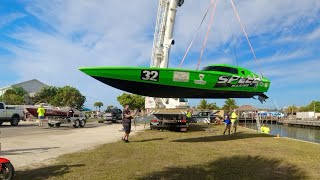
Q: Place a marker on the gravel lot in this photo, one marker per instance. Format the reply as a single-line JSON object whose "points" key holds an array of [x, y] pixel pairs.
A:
{"points": [[30, 146]]}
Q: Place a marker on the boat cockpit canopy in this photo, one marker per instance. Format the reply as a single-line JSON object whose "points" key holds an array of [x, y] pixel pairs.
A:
{"points": [[221, 69]]}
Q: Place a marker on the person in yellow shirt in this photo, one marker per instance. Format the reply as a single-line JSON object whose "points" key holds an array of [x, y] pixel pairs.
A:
{"points": [[41, 112], [189, 113], [234, 121], [265, 129]]}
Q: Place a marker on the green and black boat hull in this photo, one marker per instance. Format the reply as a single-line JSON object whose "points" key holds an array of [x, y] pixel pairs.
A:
{"points": [[180, 83]]}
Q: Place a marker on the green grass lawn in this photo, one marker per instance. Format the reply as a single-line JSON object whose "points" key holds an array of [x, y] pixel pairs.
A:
{"points": [[197, 154]]}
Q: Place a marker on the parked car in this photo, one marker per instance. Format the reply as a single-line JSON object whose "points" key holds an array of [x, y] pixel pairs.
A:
{"points": [[203, 116], [10, 114], [113, 114]]}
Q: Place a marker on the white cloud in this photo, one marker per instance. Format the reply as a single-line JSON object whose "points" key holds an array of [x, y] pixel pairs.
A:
{"points": [[7, 19]]}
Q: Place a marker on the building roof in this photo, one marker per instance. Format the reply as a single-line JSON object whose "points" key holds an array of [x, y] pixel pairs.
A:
{"points": [[247, 108], [31, 86]]}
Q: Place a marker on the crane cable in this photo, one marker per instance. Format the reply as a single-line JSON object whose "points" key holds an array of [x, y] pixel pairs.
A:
{"points": [[245, 33], [208, 30], [195, 35], [233, 43]]}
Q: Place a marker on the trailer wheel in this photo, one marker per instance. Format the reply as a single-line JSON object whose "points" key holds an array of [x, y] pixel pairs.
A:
{"points": [[76, 123], [82, 123], [50, 125], [58, 124]]}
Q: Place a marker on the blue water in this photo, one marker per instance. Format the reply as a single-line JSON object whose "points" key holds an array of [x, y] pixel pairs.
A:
{"points": [[305, 134]]}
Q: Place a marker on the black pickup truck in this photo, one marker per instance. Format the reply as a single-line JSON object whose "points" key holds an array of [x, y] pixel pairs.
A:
{"points": [[113, 115]]}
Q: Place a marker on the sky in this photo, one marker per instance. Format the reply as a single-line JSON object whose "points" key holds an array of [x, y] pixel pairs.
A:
{"points": [[50, 40]]}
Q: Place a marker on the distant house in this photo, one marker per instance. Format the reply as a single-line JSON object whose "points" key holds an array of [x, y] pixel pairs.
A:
{"points": [[32, 87]]}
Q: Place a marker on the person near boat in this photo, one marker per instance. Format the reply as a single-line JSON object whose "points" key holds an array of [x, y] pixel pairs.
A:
{"points": [[70, 112], [41, 112], [234, 121], [126, 122], [227, 121]]}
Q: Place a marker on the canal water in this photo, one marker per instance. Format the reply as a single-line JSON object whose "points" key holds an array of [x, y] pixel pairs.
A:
{"points": [[305, 134]]}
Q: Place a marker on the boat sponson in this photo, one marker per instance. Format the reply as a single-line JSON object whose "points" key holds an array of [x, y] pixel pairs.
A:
{"points": [[165, 91]]}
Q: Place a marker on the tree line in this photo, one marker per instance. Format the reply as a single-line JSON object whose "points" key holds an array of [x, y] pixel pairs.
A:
{"points": [[138, 102], [312, 106], [56, 96]]}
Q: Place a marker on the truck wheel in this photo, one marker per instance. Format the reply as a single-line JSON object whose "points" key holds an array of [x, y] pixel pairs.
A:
{"points": [[50, 125], [58, 124], [1, 123], [76, 123], [82, 123], [14, 121]]}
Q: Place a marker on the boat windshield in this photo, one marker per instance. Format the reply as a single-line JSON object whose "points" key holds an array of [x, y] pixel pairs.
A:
{"points": [[221, 69]]}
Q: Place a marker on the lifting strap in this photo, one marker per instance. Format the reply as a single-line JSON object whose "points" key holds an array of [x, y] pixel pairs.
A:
{"points": [[245, 33], [195, 35], [207, 34]]}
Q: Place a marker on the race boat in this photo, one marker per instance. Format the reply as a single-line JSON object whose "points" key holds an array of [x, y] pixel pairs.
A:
{"points": [[214, 81], [49, 111], [159, 81]]}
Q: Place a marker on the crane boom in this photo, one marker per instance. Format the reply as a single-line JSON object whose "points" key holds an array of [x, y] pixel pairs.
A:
{"points": [[163, 40], [163, 36]]}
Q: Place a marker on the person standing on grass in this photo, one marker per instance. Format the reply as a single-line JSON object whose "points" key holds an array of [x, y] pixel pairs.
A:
{"points": [[126, 122], [41, 112], [234, 121], [228, 125]]}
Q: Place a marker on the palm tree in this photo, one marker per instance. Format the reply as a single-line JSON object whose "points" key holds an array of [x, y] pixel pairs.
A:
{"points": [[98, 104], [205, 105], [230, 104]]}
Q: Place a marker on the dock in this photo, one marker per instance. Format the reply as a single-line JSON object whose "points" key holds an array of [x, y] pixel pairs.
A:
{"points": [[302, 123]]}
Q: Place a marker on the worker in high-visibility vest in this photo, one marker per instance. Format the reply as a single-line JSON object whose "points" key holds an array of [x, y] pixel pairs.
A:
{"points": [[189, 114], [234, 121], [265, 129], [41, 112]]}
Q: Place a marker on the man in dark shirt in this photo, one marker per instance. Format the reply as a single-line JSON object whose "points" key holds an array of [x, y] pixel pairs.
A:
{"points": [[126, 122], [70, 112]]}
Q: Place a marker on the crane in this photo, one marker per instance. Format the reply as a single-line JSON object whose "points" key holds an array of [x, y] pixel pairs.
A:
{"points": [[162, 43]]}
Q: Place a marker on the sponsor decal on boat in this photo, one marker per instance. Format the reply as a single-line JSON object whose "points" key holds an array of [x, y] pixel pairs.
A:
{"points": [[237, 81], [200, 81], [179, 76]]}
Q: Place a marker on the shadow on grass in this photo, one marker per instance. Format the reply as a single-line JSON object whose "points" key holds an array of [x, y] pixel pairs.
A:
{"points": [[235, 167], [147, 140], [221, 137], [197, 127], [45, 172]]}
